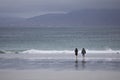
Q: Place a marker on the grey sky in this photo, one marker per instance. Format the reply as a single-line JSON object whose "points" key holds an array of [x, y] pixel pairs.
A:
{"points": [[27, 8]]}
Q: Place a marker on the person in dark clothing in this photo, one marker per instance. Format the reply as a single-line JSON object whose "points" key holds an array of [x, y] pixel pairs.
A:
{"points": [[76, 53], [83, 52]]}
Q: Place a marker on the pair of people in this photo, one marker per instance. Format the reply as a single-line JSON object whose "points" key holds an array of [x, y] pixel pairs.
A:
{"points": [[83, 52]]}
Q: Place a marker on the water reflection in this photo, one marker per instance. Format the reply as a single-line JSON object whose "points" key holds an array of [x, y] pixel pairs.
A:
{"points": [[76, 65], [83, 63], [80, 64]]}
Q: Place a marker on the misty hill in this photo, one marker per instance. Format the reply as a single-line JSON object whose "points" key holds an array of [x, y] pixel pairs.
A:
{"points": [[74, 18], [78, 18]]}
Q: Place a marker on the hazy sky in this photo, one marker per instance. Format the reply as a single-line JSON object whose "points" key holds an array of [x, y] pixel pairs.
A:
{"points": [[28, 8]]}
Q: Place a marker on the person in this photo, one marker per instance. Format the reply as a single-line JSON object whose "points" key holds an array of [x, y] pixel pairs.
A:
{"points": [[83, 52], [76, 53]]}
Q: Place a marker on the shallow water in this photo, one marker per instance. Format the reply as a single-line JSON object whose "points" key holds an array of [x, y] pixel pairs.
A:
{"points": [[60, 62]]}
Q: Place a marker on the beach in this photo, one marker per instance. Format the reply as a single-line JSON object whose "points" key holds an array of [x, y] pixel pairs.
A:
{"points": [[58, 75]]}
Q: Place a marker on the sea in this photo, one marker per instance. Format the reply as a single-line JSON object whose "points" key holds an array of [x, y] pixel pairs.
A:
{"points": [[53, 47]]}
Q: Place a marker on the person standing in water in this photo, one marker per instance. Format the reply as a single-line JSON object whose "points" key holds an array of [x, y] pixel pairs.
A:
{"points": [[83, 52], [76, 53]]}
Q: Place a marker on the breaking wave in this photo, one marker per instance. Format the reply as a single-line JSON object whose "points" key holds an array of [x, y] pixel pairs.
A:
{"points": [[36, 51]]}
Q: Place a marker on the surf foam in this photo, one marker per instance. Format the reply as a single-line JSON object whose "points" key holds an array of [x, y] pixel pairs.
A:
{"points": [[36, 51], [33, 51]]}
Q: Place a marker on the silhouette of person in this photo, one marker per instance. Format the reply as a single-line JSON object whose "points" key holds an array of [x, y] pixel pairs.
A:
{"points": [[83, 52], [76, 53]]}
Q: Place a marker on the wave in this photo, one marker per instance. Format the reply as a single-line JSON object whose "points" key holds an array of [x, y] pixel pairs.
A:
{"points": [[36, 51], [32, 51], [7, 51], [2, 52]]}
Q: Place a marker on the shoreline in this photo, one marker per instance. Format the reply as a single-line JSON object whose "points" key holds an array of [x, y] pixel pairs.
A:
{"points": [[60, 62]]}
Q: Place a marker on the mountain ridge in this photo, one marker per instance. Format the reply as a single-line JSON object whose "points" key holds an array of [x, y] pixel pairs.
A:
{"points": [[74, 18]]}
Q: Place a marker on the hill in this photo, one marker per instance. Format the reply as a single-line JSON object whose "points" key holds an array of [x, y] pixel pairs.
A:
{"points": [[78, 18], [74, 18]]}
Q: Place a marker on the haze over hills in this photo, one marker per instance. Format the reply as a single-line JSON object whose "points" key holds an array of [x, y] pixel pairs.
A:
{"points": [[74, 18], [10, 21]]}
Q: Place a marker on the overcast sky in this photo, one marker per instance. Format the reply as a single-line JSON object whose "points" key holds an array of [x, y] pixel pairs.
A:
{"points": [[28, 8]]}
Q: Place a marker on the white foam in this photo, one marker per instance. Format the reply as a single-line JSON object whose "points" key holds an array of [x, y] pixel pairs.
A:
{"points": [[35, 51], [104, 51]]}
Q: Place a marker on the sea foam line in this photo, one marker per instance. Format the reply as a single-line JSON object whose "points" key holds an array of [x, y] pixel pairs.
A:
{"points": [[32, 51], [36, 51]]}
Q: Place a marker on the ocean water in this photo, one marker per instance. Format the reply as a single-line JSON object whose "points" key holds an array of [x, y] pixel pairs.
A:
{"points": [[53, 48], [59, 39]]}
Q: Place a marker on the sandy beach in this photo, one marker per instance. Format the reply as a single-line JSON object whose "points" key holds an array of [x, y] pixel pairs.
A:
{"points": [[58, 75]]}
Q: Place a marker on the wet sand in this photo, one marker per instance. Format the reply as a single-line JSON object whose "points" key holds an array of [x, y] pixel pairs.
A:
{"points": [[58, 75]]}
